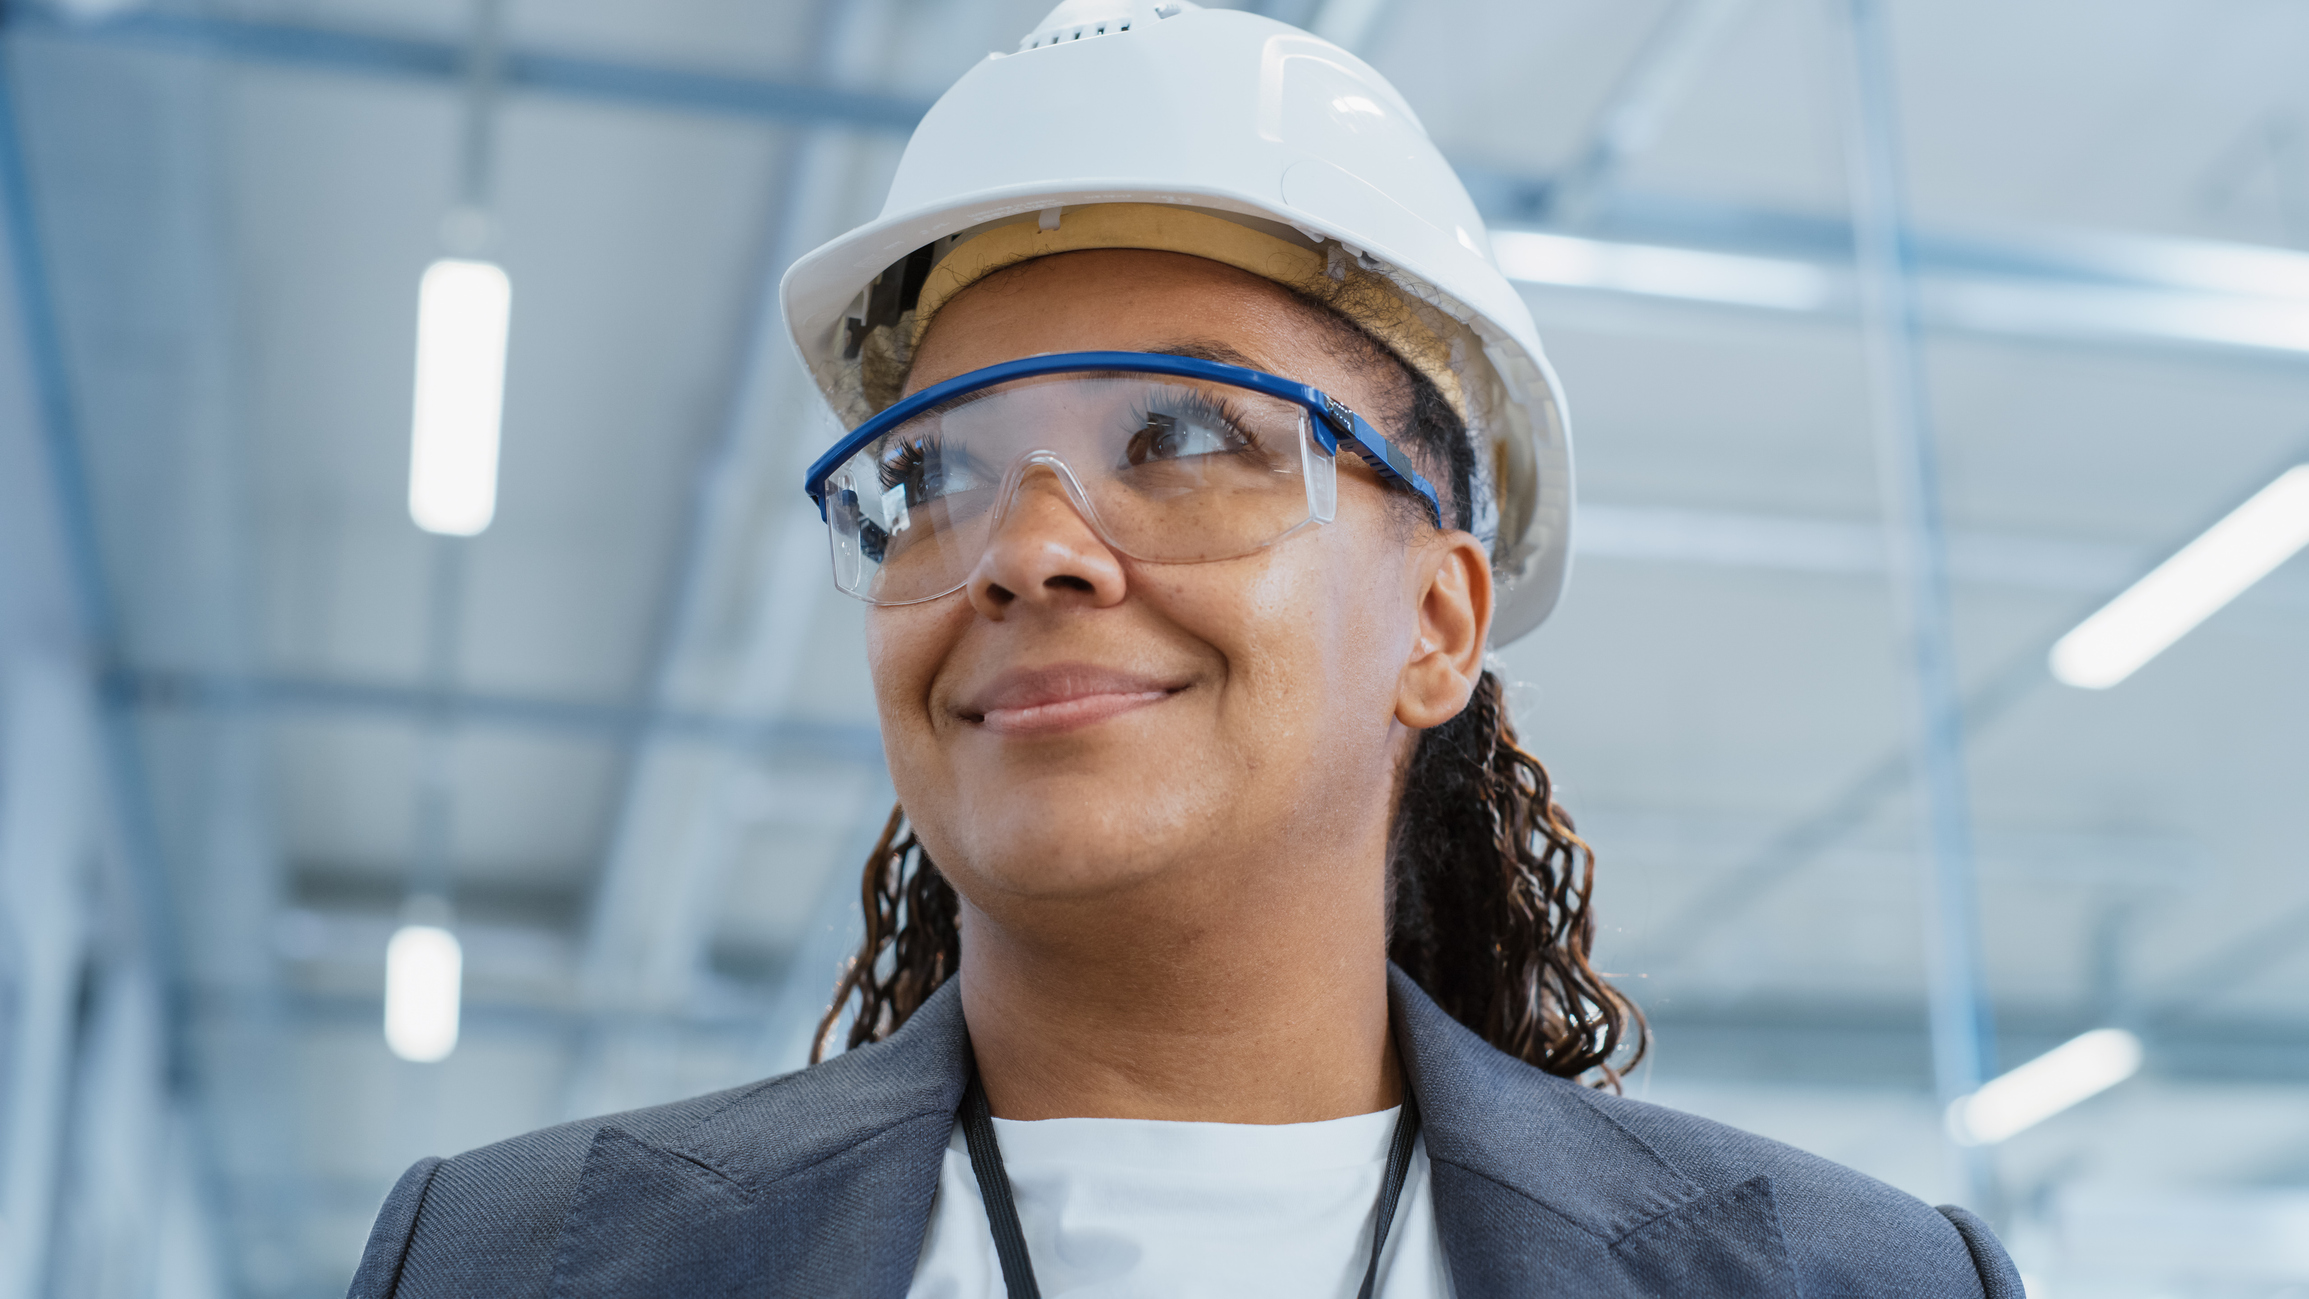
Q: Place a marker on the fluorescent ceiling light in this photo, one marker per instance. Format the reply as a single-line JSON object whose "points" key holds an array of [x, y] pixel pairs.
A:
{"points": [[1657, 271], [2185, 590], [462, 311], [2076, 1069], [2197, 265], [2104, 311], [424, 974]]}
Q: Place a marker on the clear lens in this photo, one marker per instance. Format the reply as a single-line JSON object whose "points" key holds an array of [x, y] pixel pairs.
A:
{"points": [[1167, 470]]}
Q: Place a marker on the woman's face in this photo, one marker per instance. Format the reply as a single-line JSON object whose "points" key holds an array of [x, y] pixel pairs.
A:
{"points": [[1074, 723]]}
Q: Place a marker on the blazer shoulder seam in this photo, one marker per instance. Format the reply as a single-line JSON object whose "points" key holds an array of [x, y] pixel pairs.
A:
{"points": [[738, 1097], [1588, 1101], [676, 1152]]}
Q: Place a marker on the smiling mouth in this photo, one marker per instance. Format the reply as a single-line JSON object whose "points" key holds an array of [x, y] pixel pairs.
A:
{"points": [[1048, 701], [1065, 715]]}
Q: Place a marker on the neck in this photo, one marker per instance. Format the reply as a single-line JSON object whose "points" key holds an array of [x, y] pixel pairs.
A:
{"points": [[1143, 1008]]}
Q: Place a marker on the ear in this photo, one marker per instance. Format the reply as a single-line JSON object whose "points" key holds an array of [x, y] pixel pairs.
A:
{"points": [[1452, 593]]}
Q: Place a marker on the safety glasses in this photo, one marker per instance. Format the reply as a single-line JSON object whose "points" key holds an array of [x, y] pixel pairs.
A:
{"points": [[1171, 459]]}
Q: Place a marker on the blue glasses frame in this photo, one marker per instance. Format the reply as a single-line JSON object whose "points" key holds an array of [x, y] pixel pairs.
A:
{"points": [[1334, 425]]}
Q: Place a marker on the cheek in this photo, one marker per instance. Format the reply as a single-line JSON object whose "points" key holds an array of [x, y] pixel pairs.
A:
{"points": [[905, 647], [1314, 635], [1364, 623]]}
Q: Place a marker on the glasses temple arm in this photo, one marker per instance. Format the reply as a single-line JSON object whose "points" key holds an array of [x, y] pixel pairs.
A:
{"points": [[1384, 458]]}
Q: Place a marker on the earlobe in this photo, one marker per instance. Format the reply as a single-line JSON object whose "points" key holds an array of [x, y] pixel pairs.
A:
{"points": [[1453, 606]]}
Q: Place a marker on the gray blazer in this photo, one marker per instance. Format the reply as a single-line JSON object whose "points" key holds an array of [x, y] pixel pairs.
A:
{"points": [[819, 1184]]}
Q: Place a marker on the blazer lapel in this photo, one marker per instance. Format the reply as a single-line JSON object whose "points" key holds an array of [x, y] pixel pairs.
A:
{"points": [[817, 1184], [1539, 1192], [820, 1183]]}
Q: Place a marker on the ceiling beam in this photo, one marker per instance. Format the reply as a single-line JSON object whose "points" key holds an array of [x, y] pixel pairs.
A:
{"points": [[2101, 291], [2239, 961], [1884, 1043], [414, 58], [772, 737]]}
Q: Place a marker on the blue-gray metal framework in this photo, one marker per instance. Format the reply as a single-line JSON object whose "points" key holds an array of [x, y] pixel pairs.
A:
{"points": [[1890, 260]]}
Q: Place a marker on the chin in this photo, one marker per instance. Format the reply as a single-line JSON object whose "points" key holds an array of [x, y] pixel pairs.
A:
{"points": [[1076, 839]]}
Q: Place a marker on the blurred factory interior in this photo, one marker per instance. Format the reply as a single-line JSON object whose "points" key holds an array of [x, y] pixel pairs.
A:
{"points": [[608, 765]]}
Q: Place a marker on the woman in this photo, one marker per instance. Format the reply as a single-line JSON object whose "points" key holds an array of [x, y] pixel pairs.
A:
{"points": [[1226, 941]]}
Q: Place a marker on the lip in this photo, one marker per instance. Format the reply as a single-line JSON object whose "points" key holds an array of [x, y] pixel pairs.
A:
{"points": [[1062, 697]]}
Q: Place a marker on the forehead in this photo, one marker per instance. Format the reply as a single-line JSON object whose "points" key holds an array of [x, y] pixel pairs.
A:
{"points": [[1127, 300]]}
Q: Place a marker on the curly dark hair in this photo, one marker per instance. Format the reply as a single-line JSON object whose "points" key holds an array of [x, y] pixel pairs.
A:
{"points": [[1488, 884]]}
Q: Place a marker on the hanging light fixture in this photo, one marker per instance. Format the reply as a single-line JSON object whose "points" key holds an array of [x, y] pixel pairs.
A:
{"points": [[464, 306], [463, 310], [424, 986]]}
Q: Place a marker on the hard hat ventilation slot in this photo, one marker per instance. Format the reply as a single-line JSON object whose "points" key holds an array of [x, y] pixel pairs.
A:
{"points": [[1080, 19]]}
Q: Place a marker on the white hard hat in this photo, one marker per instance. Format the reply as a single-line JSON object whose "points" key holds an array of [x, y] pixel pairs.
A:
{"points": [[1138, 124]]}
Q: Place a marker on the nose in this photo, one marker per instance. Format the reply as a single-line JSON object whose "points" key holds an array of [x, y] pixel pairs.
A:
{"points": [[1044, 553]]}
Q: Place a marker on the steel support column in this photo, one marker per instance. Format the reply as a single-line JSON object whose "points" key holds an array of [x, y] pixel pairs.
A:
{"points": [[116, 778], [44, 809], [1909, 485]]}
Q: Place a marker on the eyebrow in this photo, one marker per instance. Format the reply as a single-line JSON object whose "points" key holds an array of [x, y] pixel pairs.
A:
{"points": [[1203, 349], [1200, 349]]}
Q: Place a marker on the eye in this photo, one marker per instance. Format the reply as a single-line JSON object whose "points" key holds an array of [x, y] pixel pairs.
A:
{"points": [[926, 467], [1190, 429], [906, 463]]}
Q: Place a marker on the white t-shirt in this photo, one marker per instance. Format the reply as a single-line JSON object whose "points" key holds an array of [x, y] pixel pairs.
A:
{"points": [[1125, 1208]]}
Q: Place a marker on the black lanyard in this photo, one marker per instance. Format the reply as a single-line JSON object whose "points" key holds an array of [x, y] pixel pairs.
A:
{"points": [[1010, 1240]]}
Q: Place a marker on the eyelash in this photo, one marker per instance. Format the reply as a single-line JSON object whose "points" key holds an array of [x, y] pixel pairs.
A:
{"points": [[908, 462], [1196, 406]]}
